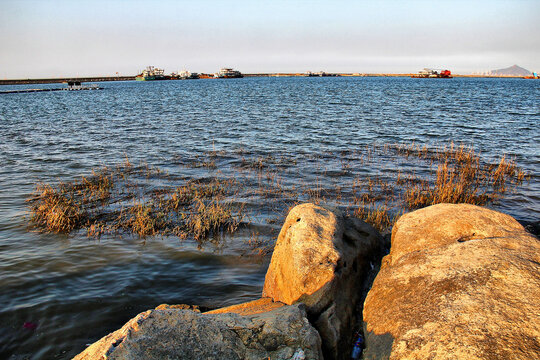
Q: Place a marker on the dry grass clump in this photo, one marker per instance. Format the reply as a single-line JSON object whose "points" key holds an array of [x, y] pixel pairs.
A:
{"points": [[64, 208], [463, 179], [196, 208], [55, 211], [460, 177], [454, 184], [504, 173], [143, 220], [95, 188], [194, 190], [379, 217], [211, 218]]}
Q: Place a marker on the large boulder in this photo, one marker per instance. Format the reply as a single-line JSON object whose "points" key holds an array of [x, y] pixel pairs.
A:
{"points": [[460, 282], [184, 334], [320, 259]]}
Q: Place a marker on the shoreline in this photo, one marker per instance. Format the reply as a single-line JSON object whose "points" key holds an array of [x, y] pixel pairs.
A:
{"points": [[313, 306], [132, 78]]}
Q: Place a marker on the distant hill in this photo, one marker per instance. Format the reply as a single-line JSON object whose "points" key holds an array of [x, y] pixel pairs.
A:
{"points": [[511, 71]]}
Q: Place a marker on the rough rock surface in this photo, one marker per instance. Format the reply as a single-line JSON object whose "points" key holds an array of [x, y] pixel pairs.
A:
{"points": [[184, 334], [460, 282], [179, 307], [249, 308], [319, 259]]}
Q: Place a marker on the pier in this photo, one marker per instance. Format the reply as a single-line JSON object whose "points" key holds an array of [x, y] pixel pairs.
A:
{"points": [[43, 90], [66, 80], [72, 86]]}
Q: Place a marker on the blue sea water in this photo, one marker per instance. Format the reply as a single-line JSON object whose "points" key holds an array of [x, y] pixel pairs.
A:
{"points": [[76, 289]]}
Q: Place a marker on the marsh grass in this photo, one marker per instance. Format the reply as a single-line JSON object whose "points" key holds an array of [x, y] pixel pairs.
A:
{"points": [[462, 178], [196, 208], [211, 217], [200, 162], [55, 211], [234, 188], [380, 217], [143, 220]]}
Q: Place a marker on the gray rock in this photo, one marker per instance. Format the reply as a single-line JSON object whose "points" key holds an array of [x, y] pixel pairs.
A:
{"points": [[184, 334]]}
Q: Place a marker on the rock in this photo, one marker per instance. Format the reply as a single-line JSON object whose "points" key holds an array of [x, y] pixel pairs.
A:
{"points": [[320, 259], [179, 306], [184, 334], [249, 308], [460, 282]]}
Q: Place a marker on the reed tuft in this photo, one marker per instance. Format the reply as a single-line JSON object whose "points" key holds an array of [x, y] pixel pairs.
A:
{"points": [[52, 210]]}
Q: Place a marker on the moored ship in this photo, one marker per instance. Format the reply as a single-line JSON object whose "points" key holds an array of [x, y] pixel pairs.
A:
{"points": [[228, 73], [206, 76], [184, 75], [319, 74], [432, 73], [151, 73]]}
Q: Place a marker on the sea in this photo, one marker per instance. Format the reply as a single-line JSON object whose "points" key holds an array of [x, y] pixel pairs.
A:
{"points": [[61, 292]]}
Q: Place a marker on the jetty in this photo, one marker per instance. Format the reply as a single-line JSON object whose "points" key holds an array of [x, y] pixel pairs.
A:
{"points": [[65, 80], [72, 86]]}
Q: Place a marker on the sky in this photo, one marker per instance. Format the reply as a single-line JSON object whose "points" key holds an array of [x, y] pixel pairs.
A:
{"points": [[61, 38]]}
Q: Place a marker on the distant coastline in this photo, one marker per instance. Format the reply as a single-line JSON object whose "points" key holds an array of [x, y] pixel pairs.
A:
{"points": [[130, 78]]}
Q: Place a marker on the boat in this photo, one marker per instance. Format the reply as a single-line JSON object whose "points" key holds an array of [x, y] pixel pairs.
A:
{"points": [[432, 73], [319, 74], [228, 73], [184, 75], [151, 73], [206, 76], [532, 76]]}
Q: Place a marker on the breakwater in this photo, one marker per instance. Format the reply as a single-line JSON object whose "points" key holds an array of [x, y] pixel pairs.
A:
{"points": [[24, 91], [65, 80]]}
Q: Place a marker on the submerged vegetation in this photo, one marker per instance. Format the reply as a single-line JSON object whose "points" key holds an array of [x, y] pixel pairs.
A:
{"points": [[218, 192], [114, 201], [461, 177]]}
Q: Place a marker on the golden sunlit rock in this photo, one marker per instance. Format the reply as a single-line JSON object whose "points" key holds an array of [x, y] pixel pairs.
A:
{"points": [[460, 282]]}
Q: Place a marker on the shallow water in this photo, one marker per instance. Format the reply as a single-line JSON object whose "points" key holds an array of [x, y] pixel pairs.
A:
{"points": [[77, 289]]}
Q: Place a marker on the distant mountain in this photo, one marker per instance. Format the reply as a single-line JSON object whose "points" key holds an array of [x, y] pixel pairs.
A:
{"points": [[511, 71]]}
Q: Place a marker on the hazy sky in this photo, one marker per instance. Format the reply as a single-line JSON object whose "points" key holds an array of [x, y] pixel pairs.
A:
{"points": [[53, 38]]}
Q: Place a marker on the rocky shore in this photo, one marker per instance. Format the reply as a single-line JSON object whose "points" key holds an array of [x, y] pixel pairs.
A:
{"points": [[460, 282]]}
